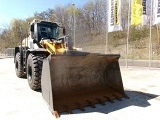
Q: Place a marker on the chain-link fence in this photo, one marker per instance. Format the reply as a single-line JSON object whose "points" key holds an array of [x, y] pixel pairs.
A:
{"points": [[9, 52]]}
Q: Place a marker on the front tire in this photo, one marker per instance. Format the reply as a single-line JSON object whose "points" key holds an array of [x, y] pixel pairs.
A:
{"points": [[34, 71]]}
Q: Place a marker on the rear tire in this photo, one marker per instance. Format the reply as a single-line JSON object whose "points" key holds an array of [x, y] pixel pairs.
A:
{"points": [[18, 67], [34, 70]]}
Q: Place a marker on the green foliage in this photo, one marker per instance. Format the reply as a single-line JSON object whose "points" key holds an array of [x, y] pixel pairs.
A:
{"points": [[117, 35], [137, 34], [19, 28], [71, 9]]}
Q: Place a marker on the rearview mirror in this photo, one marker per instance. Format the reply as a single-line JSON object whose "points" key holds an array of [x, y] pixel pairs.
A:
{"points": [[64, 31], [32, 28]]}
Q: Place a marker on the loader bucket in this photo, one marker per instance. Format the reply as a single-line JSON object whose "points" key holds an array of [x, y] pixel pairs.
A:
{"points": [[71, 82]]}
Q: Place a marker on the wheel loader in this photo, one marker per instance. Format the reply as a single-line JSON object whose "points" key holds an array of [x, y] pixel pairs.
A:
{"points": [[69, 79]]}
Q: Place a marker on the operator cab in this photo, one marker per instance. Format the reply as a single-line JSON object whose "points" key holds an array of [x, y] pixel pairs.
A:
{"points": [[47, 31], [41, 30]]}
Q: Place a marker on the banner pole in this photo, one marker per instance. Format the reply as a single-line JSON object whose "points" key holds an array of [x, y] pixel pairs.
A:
{"points": [[157, 32], [129, 10], [150, 38]]}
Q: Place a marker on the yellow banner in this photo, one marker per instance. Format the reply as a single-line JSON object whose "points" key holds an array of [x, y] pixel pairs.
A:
{"points": [[136, 12], [116, 7]]}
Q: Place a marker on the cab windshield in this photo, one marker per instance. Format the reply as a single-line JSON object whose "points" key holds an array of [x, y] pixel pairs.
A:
{"points": [[46, 31]]}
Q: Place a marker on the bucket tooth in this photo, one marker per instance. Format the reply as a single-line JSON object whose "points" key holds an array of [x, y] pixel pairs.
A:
{"points": [[100, 101], [90, 103], [68, 110], [109, 99], [117, 97], [55, 113], [125, 96], [80, 106]]}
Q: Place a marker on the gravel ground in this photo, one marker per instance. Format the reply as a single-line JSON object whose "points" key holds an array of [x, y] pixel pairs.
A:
{"points": [[18, 101]]}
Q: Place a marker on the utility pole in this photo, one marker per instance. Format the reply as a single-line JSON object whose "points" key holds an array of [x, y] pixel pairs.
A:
{"points": [[129, 15], [106, 46], [74, 23]]}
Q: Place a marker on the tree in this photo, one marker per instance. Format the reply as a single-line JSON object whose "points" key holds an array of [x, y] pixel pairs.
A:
{"points": [[19, 29]]}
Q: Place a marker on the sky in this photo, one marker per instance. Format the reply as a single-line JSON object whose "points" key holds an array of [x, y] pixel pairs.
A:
{"points": [[21, 9]]}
